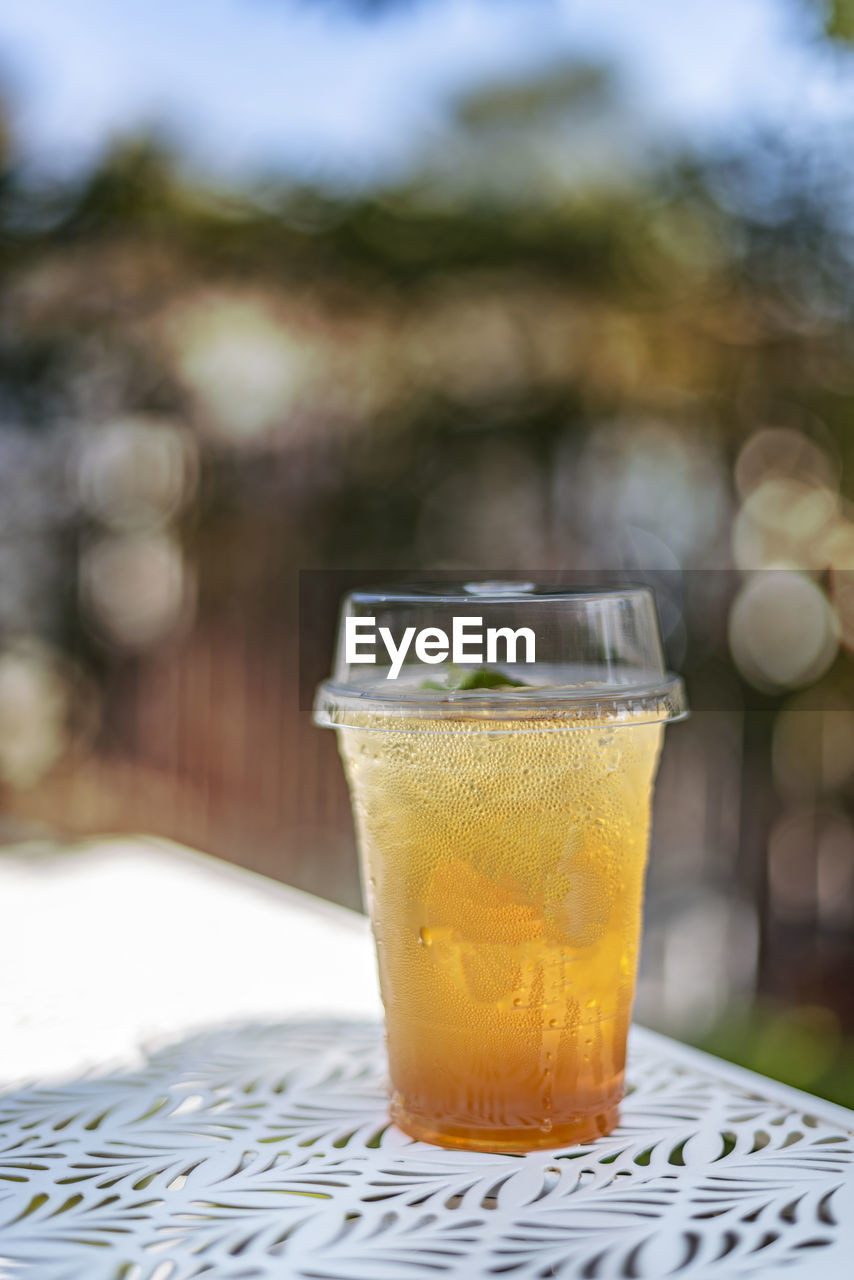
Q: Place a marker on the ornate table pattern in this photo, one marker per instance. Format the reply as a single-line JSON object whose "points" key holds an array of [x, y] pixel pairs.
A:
{"points": [[262, 1149]]}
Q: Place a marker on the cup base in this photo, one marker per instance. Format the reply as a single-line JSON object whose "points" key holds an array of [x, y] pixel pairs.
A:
{"points": [[506, 1141]]}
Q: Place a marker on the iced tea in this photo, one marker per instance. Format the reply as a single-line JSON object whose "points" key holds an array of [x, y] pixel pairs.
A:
{"points": [[504, 868]]}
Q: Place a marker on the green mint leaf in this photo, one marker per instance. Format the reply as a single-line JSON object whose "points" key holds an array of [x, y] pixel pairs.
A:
{"points": [[482, 678]]}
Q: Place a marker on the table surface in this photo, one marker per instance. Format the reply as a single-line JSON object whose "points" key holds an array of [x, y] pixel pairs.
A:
{"points": [[193, 1085]]}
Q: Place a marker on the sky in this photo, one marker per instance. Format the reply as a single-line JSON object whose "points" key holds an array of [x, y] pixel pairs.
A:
{"points": [[245, 87]]}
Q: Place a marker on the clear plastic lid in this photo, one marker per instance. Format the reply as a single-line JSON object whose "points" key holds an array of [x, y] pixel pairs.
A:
{"points": [[508, 651]]}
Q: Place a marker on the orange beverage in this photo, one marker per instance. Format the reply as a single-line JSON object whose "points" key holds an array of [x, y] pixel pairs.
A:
{"points": [[501, 741], [504, 867]]}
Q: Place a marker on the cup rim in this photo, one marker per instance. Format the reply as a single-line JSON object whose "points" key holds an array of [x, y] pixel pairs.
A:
{"points": [[491, 592], [540, 708]]}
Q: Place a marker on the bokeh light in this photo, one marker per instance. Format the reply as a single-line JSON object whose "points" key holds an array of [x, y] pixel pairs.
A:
{"points": [[813, 744], [842, 588], [782, 523], [137, 472], [136, 590], [663, 477], [786, 452], [811, 867], [704, 952], [835, 861], [783, 632], [47, 710], [245, 367]]}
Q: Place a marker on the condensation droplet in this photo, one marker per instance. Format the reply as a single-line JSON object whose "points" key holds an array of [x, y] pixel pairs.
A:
{"points": [[545, 1125], [425, 937]]}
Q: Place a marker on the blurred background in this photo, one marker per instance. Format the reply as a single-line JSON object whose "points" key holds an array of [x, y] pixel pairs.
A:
{"points": [[462, 286]]}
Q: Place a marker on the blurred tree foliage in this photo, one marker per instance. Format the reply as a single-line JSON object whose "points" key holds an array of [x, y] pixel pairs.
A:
{"points": [[839, 19], [711, 290], [718, 289], [800, 1045]]}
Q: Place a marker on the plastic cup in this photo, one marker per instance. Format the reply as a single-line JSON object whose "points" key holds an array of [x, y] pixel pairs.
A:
{"points": [[503, 832]]}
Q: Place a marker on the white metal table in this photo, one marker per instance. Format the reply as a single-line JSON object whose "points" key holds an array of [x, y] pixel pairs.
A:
{"points": [[194, 1071]]}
